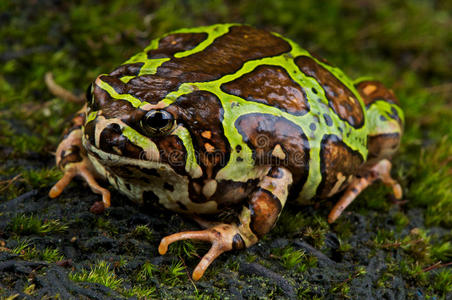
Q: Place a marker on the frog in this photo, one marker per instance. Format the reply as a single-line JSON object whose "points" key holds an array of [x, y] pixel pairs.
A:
{"points": [[231, 119]]}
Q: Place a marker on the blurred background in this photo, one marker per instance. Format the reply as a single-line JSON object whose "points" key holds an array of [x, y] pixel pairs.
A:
{"points": [[405, 44]]}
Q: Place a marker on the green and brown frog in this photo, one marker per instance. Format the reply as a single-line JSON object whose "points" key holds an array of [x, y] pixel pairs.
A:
{"points": [[229, 117]]}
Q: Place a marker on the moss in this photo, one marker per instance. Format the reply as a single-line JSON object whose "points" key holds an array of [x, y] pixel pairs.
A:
{"points": [[27, 225], [48, 254], [142, 232], [173, 274], [431, 185], [312, 227], [185, 248], [106, 225], [101, 273], [292, 258], [442, 282], [343, 288]]}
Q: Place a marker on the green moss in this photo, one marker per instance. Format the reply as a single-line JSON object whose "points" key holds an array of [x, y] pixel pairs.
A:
{"points": [[101, 273], [106, 225], [28, 225], [312, 227], [48, 254], [173, 274], [442, 282], [431, 186], [185, 248], [142, 232], [400, 220], [292, 258], [146, 272], [343, 288]]}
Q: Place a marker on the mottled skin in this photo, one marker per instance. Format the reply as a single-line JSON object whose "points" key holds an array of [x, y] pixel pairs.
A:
{"points": [[229, 117]]}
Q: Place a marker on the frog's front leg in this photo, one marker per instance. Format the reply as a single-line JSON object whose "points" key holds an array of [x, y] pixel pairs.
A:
{"points": [[381, 170], [72, 159], [255, 220]]}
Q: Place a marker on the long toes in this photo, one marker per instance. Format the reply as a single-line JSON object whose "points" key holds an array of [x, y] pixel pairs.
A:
{"points": [[58, 188], [205, 262], [95, 187], [203, 235]]}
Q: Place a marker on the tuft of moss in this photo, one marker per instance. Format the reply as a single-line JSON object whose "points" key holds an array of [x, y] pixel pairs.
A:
{"points": [[48, 254], [442, 283], [312, 227], [28, 225], [173, 274], [142, 232], [294, 259], [431, 185], [185, 248], [101, 273]]}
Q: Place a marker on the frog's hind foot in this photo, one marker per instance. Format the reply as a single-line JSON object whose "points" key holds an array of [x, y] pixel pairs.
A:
{"points": [[382, 171], [221, 236]]}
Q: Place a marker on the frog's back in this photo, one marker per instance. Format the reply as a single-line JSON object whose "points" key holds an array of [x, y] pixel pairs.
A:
{"points": [[277, 104]]}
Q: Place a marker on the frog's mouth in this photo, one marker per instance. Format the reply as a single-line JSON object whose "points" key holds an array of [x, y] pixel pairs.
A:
{"points": [[146, 160]]}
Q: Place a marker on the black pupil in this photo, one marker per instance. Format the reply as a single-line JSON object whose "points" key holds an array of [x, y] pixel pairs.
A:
{"points": [[158, 120]]}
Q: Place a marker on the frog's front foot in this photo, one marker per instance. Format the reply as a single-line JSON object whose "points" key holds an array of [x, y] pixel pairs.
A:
{"points": [[72, 159], [81, 169], [223, 238]]}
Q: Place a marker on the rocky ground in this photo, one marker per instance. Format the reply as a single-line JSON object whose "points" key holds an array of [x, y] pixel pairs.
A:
{"points": [[379, 249]]}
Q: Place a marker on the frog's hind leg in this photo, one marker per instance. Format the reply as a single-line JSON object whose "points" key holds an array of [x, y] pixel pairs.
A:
{"points": [[255, 220], [381, 170]]}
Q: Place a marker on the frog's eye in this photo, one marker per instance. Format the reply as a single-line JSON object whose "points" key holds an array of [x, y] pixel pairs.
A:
{"points": [[158, 122]]}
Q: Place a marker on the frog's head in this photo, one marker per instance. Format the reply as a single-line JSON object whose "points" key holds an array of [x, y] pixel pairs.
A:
{"points": [[179, 133]]}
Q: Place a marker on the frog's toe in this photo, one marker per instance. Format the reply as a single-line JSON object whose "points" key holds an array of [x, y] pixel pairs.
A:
{"points": [[58, 188], [95, 187], [220, 236], [81, 169]]}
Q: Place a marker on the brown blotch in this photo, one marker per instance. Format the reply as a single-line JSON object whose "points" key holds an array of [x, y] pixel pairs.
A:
{"points": [[111, 140], [149, 88], [200, 111], [372, 91], [74, 156], [127, 70], [336, 158], [340, 98], [172, 152], [262, 132], [230, 193], [265, 209], [177, 42], [270, 85], [225, 55], [382, 145]]}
